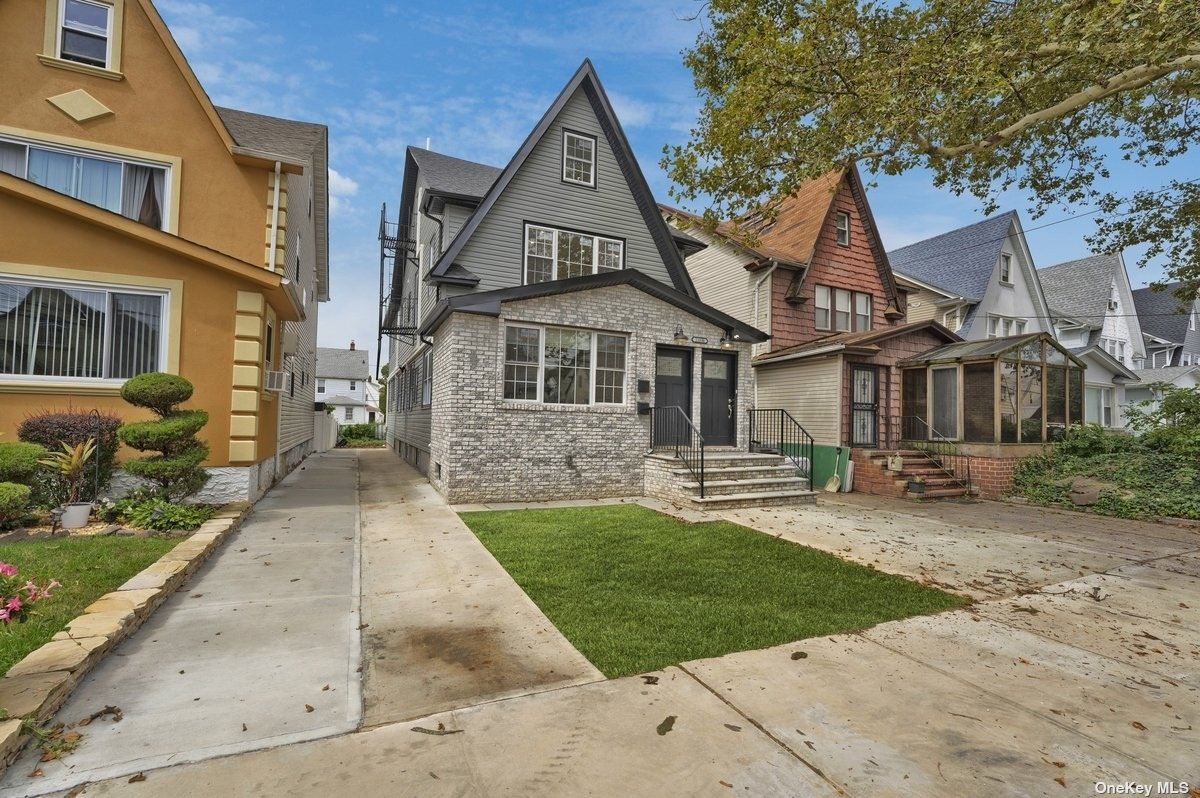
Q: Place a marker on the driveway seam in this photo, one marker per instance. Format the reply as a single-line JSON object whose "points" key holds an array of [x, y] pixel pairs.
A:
{"points": [[1018, 707], [841, 790]]}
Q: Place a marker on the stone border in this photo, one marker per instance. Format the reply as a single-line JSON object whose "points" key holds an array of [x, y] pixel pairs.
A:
{"points": [[38, 685]]}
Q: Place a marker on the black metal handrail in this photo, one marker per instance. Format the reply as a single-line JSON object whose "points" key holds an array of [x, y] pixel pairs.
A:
{"points": [[670, 428], [777, 432], [917, 433]]}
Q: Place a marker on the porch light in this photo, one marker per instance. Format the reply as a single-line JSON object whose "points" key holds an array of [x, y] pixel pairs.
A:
{"points": [[680, 338], [726, 342]]}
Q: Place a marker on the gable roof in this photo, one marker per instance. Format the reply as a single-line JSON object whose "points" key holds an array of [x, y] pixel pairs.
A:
{"points": [[962, 261], [445, 174], [1081, 288], [584, 78], [488, 303], [304, 143], [1110, 362], [862, 341], [1170, 374], [1161, 313], [764, 253], [343, 364]]}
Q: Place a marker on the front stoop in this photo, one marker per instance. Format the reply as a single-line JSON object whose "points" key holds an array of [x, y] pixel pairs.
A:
{"points": [[873, 475], [732, 479], [39, 684]]}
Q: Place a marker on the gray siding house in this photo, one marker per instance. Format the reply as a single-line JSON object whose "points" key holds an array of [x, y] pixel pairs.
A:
{"points": [[1171, 327], [540, 317]]}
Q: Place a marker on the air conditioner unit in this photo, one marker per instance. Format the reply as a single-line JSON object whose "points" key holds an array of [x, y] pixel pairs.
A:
{"points": [[276, 381], [1112, 304]]}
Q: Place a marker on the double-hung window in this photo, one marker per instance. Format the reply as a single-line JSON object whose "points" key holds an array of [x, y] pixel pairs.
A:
{"points": [[841, 310], [842, 225], [1003, 326], [133, 189], [85, 33], [427, 378], [320, 386], [552, 254], [1006, 268], [559, 365], [579, 159], [66, 330]]}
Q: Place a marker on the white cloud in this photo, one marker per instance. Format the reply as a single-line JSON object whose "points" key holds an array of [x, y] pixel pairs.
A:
{"points": [[340, 188]]}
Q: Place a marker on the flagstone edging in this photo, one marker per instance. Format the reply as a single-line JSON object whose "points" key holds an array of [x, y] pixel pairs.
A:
{"points": [[40, 683]]}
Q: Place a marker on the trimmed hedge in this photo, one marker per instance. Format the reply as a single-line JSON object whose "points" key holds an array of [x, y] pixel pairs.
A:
{"points": [[157, 391], [19, 462], [163, 434], [176, 468], [14, 500], [53, 428]]}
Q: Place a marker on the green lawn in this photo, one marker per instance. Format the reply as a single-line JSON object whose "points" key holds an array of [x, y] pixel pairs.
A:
{"points": [[88, 567], [635, 590]]}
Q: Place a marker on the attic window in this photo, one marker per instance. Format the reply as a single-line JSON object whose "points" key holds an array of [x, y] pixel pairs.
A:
{"points": [[1006, 268], [579, 159], [86, 30], [842, 223]]}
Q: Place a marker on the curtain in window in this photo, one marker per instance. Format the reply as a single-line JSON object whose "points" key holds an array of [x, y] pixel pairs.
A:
{"points": [[141, 198], [12, 158], [100, 183], [51, 332], [54, 170]]}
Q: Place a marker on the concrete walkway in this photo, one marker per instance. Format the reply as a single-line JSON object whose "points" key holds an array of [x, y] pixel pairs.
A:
{"points": [[260, 648], [446, 626]]}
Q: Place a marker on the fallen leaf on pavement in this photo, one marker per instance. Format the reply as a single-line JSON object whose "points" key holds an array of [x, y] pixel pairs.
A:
{"points": [[799, 655], [1061, 781], [1138, 726], [323, 689], [36, 773], [308, 708], [650, 679], [666, 726], [731, 727], [137, 777], [724, 784]]}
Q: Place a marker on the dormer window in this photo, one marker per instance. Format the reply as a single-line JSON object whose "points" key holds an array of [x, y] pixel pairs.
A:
{"points": [[1006, 268], [579, 159], [841, 223], [85, 33]]}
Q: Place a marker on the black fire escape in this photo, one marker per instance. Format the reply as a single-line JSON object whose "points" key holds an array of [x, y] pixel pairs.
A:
{"points": [[397, 253]]}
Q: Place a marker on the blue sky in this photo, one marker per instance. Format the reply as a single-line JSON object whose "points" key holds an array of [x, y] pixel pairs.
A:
{"points": [[473, 78]]}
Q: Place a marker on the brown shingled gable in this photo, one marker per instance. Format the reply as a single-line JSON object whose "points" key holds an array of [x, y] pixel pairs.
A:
{"points": [[797, 225]]}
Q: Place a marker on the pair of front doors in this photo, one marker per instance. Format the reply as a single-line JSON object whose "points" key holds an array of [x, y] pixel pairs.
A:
{"points": [[718, 390]]}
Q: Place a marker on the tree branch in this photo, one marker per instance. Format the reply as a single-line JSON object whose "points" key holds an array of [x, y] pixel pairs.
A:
{"points": [[1129, 80]]}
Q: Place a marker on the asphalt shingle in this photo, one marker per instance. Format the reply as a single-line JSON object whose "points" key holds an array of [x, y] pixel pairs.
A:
{"points": [[1161, 313], [961, 261], [454, 175], [1081, 288], [344, 364]]}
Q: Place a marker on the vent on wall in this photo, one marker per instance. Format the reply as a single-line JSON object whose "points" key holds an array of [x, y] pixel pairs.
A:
{"points": [[275, 381]]}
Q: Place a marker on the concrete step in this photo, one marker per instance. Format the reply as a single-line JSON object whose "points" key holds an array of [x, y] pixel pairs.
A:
{"points": [[938, 493], [765, 499], [740, 472], [725, 487], [740, 458]]}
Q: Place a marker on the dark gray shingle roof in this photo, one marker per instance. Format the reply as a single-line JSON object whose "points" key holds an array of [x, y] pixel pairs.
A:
{"points": [[1161, 313], [454, 175], [345, 364], [960, 261], [294, 141], [1081, 288]]}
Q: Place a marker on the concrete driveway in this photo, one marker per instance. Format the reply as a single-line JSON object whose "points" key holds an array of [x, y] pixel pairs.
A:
{"points": [[1078, 664]]}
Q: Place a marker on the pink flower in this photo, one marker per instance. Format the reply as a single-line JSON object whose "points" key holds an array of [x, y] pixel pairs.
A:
{"points": [[4, 615], [7, 569], [13, 604]]}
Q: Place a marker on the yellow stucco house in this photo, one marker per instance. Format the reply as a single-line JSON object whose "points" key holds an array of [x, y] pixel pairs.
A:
{"points": [[144, 229]]}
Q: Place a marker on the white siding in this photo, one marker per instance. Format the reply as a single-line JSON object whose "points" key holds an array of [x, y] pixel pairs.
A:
{"points": [[1018, 300], [300, 264], [537, 194], [811, 390]]}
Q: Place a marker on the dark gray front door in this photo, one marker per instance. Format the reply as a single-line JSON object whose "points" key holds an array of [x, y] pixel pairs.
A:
{"points": [[718, 399], [864, 406], [672, 388]]}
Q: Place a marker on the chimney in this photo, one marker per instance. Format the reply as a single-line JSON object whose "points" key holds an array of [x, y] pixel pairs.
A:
{"points": [[351, 345]]}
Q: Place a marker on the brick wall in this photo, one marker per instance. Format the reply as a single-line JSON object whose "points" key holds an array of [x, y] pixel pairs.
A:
{"points": [[992, 476], [853, 267], [873, 477], [486, 449]]}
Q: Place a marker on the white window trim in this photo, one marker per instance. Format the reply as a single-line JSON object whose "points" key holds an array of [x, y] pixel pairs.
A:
{"points": [[832, 292], [109, 34], [109, 288], [66, 149], [841, 223], [1008, 325], [596, 239], [541, 366], [571, 134], [1006, 262]]}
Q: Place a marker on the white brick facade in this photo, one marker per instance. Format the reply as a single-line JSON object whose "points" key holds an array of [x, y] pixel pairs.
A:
{"points": [[486, 449]]}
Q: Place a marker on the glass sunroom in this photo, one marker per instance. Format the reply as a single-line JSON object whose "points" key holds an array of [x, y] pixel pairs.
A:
{"points": [[1019, 389]]}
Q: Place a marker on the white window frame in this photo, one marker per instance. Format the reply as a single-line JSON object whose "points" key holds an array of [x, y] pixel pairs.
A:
{"points": [[320, 385], [1192, 319], [348, 413], [567, 136], [1006, 260], [826, 293], [427, 378], [108, 33], [841, 223], [541, 366], [164, 297], [95, 155], [1004, 326], [558, 232], [832, 298]]}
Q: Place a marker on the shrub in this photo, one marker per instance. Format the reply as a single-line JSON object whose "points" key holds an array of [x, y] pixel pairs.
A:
{"points": [[19, 462], [159, 515], [53, 428], [14, 500], [1088, 440], [157, 391], [176, 469], [358, 431]]}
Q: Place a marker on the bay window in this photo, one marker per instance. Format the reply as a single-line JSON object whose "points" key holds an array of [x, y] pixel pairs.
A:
{"points": [[552, 254], [135, 190], [559, 365], [70, 331]]}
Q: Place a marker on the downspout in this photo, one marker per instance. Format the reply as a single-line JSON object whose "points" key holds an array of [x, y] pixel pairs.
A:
{"points": [[757, 289], [278, 337], [440, 232]]}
